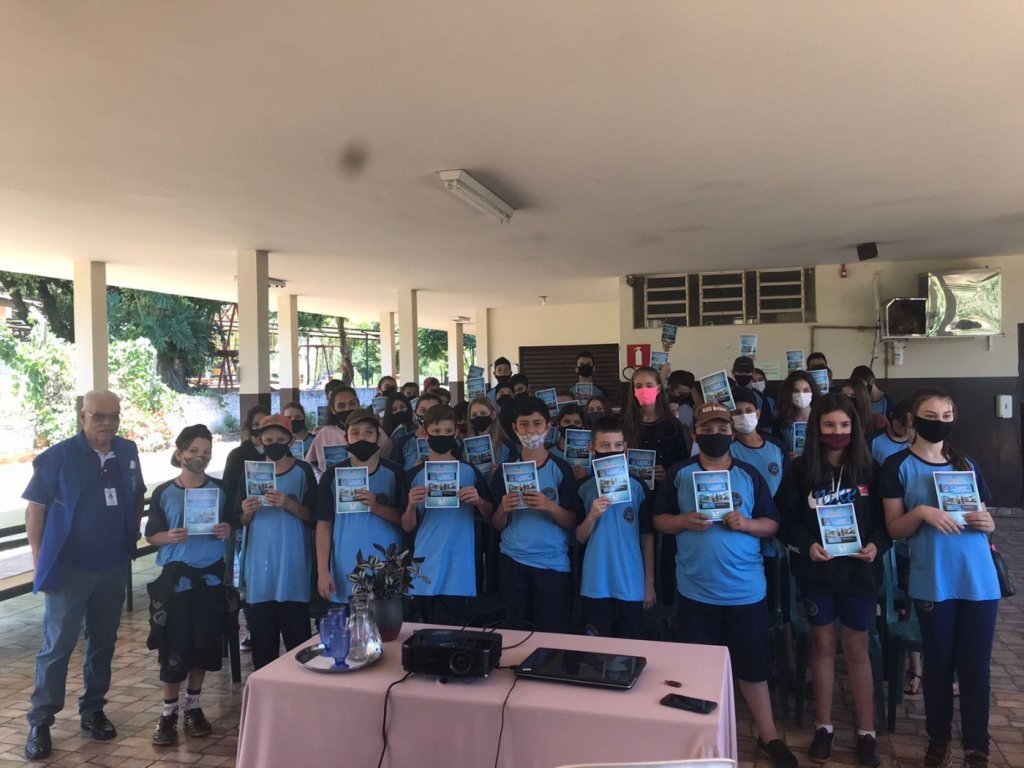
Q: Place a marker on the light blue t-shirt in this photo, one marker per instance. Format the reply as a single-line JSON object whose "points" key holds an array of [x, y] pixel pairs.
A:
{"points": [[359, 531], [531, 536], [718, 566], [278, 547], [598, 392], [167, 511], [943, 566], [613, 565], [883, 446], [446, 539], [770, 460]]}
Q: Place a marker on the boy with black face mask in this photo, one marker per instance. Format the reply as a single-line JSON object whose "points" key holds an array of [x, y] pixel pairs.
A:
{"points": [[405, 451], [445, 537], [502, 373], [719, 571], [585, 387], [339, 537], [618, 564]]}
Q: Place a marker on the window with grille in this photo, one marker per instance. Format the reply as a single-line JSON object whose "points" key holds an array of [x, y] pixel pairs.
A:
{"points": [[666, 299]]}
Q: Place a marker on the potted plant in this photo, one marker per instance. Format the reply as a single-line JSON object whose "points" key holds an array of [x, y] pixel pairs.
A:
{"points": [[387, 578]]}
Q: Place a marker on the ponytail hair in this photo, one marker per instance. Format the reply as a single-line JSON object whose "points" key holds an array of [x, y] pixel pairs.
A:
{"points": [[951, 454]]}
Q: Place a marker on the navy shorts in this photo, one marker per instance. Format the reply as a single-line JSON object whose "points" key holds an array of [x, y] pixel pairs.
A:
{"points": [[743, 629], [856, 612]]}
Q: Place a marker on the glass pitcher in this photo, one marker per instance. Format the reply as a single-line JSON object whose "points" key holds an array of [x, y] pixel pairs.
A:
{"points": [[365, 636]]}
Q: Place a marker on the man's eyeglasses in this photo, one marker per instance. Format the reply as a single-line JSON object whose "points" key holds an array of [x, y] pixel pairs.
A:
{"points": [[104, 418]]}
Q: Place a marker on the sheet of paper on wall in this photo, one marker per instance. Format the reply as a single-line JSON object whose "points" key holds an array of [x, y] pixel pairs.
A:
{"points": [[748, 345]]}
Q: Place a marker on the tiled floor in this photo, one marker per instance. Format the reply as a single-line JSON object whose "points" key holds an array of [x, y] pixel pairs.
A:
{"points": [[135, 697]]}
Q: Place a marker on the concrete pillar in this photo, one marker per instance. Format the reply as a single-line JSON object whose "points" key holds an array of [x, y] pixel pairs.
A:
{"points": [[483, 347], [253, 330], [91, 330], [408, 336], [456, 367], [288, 347], [387, 344]]}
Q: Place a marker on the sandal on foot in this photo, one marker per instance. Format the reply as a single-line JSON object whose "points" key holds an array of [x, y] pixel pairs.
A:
{"points": [[913, 686]]}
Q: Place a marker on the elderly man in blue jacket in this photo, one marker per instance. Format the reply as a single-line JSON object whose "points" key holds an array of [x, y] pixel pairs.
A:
{"points": [[84, 504]]}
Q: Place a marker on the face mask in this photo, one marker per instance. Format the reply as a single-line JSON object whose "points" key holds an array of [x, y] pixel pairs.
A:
{"points": [[757, 386], [480, 423], [932, 430], [504, 400], [532, 442], [802, 399], [836, 442], [441, 443], [502, 380], [402, 417], [196, 464], [338, 419], [276, 451], [586, 370], [715, 446], [298, 425], [745, 423], [743, 379], [362, 449], [593, 415], [646, 395]]}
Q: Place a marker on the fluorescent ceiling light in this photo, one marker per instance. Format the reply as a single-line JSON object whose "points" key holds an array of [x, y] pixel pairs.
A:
{"points": [[471, 191]]}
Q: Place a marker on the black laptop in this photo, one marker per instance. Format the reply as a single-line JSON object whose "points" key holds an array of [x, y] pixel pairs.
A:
{"points": [[600, 670]]}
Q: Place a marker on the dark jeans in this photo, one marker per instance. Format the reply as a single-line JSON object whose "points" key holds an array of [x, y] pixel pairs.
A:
{"points": [[957, 636], [272, 621], [448, 610], [536, 598], [92, 597], [608, 617]]}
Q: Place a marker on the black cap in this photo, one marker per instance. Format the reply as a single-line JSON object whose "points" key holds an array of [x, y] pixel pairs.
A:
{"points": [[744, 395], [185, 438], [743, 364]]}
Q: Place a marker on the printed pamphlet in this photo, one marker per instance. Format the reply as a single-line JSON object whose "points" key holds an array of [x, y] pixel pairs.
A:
{"points": [[577, 447], [713, 493], [347, 482], [550, 398], [798, 437], [820, 377], [668, 333], [379, 403], [442, 484], [795, 361], [260, 478], [839, 534], [296, 449], [334, 455], [321, 415], [748, 345], [612, 476], [520, 477], [480, 453], [475, 372], [475, 387], [584, 390], [641, 465], [202, 510], [715, 387], [659, 359], [422, 448], [958, 494]]}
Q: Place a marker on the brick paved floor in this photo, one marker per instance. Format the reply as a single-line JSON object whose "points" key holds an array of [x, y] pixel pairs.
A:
{"points": [[135, 696]]}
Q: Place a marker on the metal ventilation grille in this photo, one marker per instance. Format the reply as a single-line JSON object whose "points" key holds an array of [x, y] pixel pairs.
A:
{"points": [[666, 299], [781, 296], [723, 298]]}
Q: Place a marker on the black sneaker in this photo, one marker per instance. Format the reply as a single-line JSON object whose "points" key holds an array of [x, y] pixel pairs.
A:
{"points": [[196, 723], [778, 752], [937, 755], [98, 726], [821, 746], [867, 750], [166, 732], [973, 758]]}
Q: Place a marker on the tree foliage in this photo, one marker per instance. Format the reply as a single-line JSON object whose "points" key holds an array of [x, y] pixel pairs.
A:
{"points": [[55, 296]]}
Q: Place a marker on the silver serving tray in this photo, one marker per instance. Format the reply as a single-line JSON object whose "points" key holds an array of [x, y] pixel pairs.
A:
{"points": [[312, 658]]}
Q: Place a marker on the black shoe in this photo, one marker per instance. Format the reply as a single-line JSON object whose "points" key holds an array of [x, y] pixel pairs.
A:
{"points": [[38, 745], [975, 759], [779, 753], [821, 746], [867, 751], [166, 732], [98, 726], [937, 755], [196, 723]]}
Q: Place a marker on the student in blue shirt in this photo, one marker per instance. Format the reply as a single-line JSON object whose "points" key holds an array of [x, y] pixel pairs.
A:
{"points": [[585, 372], [341, 536], [893, 438], [570, 416], [743, 375], [303, 438], [483, 420], [277, 553], [406, 452], [719, 572], [534, 581], [189, 590], [445, 538], [618, 566], [953, 581], [880, 402], [502, 373]]}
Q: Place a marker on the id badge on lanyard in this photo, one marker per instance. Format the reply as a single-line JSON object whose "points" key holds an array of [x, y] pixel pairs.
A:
{"points": [[110, 494]]}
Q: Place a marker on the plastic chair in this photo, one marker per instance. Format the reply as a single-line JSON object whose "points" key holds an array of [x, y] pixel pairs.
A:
{"points": [[717, 763], [899, 636]]}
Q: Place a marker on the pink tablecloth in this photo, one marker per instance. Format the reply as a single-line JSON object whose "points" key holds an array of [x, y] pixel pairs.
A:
{"points": [[293, 717]]}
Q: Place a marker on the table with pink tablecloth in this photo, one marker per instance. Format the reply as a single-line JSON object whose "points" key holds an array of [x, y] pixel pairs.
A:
{"points": [[295, 718]]}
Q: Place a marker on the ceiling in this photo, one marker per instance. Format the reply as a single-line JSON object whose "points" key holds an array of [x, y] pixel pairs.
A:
{"points": [[161, 137]]}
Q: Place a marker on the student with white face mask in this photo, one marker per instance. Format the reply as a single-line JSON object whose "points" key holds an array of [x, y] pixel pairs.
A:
{"points": [[799, 391]]}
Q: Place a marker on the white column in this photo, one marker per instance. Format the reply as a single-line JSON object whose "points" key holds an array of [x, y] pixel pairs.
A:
{"points": [[408, 336], [91, 330], [253, 329], [288, 346], [456, 367], [483, 347], [387, 343]]}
